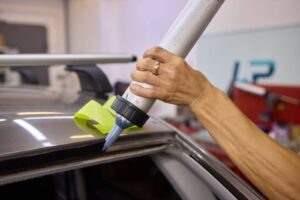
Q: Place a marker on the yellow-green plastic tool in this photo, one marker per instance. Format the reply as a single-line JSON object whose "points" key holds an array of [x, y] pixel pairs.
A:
{"points": [[96, 118]]}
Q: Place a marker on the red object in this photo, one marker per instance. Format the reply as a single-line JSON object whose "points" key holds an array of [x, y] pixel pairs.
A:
{"points": [[253, 105]]}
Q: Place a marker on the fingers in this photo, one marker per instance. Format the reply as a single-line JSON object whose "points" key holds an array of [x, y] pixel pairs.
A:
{"points": [[151, 93], [146, 64], [176, 82], [159, 54], [145, 77]]}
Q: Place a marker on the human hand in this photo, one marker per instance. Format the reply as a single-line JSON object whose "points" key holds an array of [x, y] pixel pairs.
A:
{"points": [[177, 82]]}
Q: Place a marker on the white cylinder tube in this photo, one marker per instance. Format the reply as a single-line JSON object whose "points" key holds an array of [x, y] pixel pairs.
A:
{"points": [[181, 37]]}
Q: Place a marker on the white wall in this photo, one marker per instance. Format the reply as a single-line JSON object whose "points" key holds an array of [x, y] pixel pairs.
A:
{"points": [[115, 26], [237, 15], [84, 26]]}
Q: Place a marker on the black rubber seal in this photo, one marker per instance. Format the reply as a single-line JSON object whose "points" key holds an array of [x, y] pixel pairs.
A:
{"points": [[130, 111]]}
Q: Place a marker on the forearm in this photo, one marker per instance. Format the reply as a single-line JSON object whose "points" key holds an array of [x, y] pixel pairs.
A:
{"points": [[260, 158], [257, 156]]}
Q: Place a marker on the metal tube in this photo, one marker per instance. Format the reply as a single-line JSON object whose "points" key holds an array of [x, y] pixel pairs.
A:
{"points": [[189, 25], [16, 60], [181, 37]]}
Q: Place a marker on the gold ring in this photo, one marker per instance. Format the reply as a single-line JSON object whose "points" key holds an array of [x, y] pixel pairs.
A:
{"points": [[155, 69]]}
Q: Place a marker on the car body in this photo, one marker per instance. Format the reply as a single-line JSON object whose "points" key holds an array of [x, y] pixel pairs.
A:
{"points": [[38, 138]]}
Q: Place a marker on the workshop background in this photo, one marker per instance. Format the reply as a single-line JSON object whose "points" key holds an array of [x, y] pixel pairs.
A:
{"points": [[250, 50]]}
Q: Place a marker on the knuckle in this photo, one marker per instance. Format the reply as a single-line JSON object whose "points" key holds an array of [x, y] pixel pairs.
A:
{"points": [[165, 96], [133, 75], [139, 64], [148, 62], [138, 90], [151, 93], [177, 66], [173, 74], [144, 64], [144, 77], [152, 51], [157, 49], [135, 89], [177, 63]]}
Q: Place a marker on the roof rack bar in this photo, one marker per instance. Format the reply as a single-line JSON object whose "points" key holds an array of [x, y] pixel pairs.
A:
{"points": [[15, 60]]}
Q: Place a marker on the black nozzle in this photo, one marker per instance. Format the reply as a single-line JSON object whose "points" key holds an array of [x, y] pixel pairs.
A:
{"points": [[130, 111]]}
